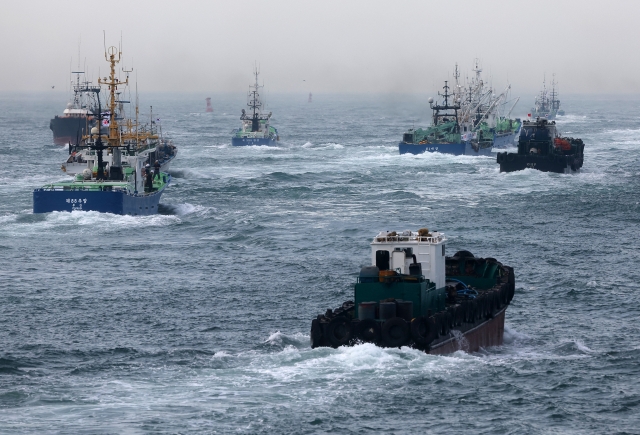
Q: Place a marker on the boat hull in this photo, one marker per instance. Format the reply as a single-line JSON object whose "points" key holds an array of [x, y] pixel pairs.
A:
{"points": [[252, 141], [505, 140], [456, 149], [116, 202], [486, 334], [511, 162], [468, 337], [68, 130]]}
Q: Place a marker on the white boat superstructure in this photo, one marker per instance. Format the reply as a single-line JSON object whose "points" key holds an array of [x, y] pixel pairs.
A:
{"points": [[404, 248]]}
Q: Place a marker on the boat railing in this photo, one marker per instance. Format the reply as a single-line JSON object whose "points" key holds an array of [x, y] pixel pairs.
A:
{"points": [[86, 188], [409, 238], [391, 278]]}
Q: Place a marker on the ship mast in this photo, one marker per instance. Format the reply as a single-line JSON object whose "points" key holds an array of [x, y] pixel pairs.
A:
{"points": [[113, 82], [437, 108], [254, 103], [112, 140]]}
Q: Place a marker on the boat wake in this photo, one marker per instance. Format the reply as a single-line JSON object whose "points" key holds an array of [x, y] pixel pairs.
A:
{"points": [[186, 209]]}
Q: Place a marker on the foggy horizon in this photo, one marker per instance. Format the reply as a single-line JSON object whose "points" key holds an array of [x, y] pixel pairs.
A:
{"points": [[410, 47]]}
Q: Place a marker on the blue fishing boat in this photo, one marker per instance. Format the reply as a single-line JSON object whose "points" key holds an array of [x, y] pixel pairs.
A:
{"points": [[255, 129], [124, 183], [445, 135]]}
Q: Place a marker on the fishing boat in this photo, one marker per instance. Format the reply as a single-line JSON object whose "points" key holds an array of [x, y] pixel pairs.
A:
{"points": [[142, 140], [547, 104], [124, 183], [413, 295], [482, 110], [79, 116], [541, 147], [446, 134], [255, 128]]}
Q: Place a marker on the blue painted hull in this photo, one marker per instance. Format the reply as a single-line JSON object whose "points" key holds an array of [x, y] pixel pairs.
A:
{"points": [[116, 202], [505, 140], [457, 149], [251, 141]]}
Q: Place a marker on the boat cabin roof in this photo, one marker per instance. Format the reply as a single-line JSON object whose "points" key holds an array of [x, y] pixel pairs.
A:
{"points": [[422, 237]]}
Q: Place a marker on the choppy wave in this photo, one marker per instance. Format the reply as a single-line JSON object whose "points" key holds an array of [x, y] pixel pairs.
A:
{"points": [[197, 319]]}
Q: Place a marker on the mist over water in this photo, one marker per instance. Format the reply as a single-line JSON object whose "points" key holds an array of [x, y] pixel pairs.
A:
{"points": [[196, 320]]}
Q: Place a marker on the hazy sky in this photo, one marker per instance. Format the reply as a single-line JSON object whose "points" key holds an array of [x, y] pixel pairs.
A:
{"points": [[335, 46]]}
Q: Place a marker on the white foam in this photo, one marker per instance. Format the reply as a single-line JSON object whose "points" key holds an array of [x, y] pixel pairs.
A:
{"points": [[511, 335], [187, 209]]}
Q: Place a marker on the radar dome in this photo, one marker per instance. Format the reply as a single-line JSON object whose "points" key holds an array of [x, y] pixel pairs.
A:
{"points": [[94, 130], [430, 100]]}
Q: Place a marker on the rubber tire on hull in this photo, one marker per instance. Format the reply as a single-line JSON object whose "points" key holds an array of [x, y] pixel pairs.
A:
{"points": [[339, 331], [468, 307], [395, 332], [499, 298], [451, 318], [421, 331], [491, 304], [478, 308], [316, 334], [368, 331], [512, 284], [486, 306], [442, 324], [459, 315]]}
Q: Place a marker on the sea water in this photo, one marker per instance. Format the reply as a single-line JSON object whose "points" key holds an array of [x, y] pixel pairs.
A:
{"points": [[196, 320]]}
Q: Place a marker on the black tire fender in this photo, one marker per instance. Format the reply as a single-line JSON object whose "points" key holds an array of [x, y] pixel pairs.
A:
{"points": [[468, 311], [477, 312], [368, 331], [443, 321], [395, 332], [482, 307], [339, 331], [421, 330], [316, 334]]}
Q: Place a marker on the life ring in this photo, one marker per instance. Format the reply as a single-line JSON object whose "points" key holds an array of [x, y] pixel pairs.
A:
{"points": [[316, 333], [339, 331], [421, 330], [511, 157], [368, 331], [395, 332]]}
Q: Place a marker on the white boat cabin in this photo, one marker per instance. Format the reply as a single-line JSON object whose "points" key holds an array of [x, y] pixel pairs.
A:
{"points": [[404, 248]]}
